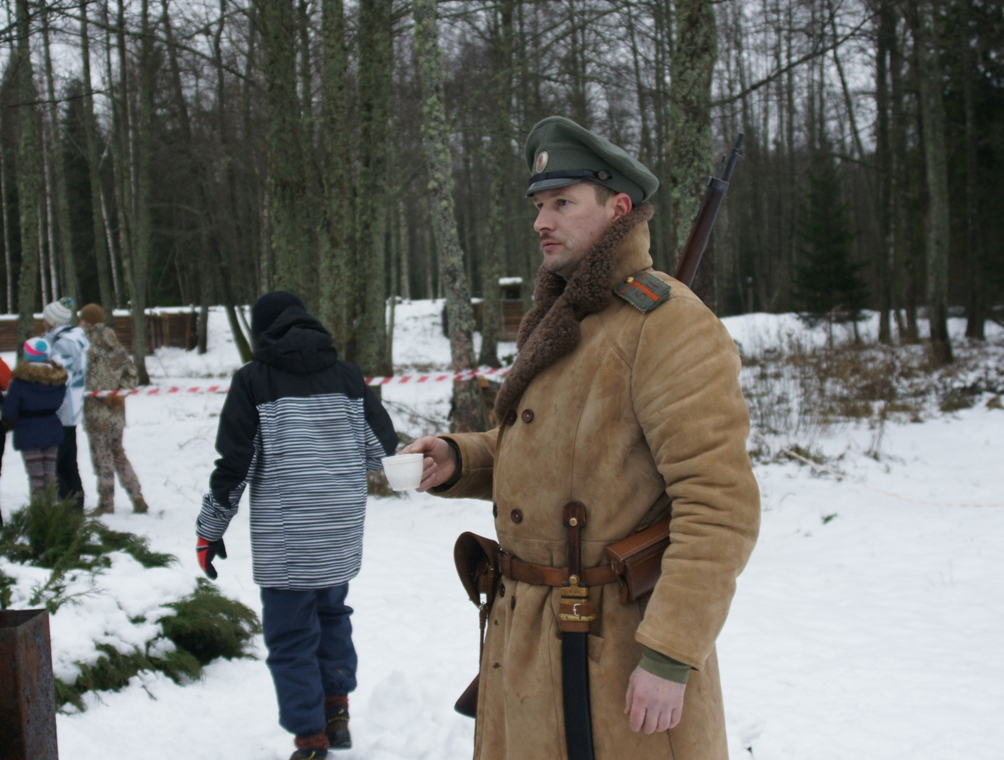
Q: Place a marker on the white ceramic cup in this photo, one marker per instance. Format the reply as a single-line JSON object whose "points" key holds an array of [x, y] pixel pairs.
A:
{"points": [[404, 472]]}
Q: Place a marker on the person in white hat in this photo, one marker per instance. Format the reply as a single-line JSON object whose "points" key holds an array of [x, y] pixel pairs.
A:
{"points": [[69, 349]]}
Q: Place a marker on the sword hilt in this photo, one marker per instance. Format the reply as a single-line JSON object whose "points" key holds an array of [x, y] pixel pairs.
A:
{"points": [[576, 611]]}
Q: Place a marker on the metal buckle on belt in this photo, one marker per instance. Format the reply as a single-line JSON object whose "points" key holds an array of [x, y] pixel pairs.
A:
{"points": [[576, 611]]}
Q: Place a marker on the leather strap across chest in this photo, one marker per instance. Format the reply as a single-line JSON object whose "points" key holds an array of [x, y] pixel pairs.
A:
{"points": [[542, 575]]}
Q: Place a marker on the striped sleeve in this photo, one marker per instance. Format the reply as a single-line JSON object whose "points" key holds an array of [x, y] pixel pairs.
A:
{"points": [[237, 441], [374, 451], [381, 439], [215, 517]]}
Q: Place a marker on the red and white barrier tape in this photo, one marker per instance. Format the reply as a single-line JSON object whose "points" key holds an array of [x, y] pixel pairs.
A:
{"points": [[164, 390]]}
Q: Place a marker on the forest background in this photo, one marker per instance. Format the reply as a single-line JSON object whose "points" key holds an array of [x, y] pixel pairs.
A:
{"points": [[197, 152]]}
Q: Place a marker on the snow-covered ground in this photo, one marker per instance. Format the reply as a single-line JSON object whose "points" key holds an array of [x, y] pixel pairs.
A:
{"points": [[867, 625]]}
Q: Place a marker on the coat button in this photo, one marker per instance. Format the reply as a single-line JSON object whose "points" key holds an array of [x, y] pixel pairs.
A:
{"points": [[528, 416], [517, 516], [510, 419], [501, 589], [495, 510]]}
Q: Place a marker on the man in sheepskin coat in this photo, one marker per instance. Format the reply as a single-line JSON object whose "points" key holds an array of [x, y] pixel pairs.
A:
{"points": [[625, 397]]}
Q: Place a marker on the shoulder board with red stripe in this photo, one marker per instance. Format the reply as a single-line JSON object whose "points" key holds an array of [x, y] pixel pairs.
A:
{"points": [[644, 291]]}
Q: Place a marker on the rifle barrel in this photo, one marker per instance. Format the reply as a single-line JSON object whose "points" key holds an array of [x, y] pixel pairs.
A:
{"points": [[737, 151], [697, 241]]}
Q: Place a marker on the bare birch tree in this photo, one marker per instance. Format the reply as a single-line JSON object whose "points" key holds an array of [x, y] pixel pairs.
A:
{"points": [[467, 409], [690, 157], [501, 182], [337, 265], [288, 192], [58, 170], [99, 222], [375, 96], [926, 22], [29, 180]]}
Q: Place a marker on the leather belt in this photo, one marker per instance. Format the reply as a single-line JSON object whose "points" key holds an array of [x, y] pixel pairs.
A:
{"points": [[542, 575]]}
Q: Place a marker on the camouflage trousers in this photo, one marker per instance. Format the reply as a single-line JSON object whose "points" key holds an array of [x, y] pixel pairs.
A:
{"points": [[109, 457]]}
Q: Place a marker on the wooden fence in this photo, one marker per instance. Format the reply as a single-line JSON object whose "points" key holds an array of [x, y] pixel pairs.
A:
{"points": [[175, 329]]}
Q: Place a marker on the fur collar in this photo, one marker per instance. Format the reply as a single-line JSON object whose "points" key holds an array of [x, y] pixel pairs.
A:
{"points": [[550, 330], [46, 373]]}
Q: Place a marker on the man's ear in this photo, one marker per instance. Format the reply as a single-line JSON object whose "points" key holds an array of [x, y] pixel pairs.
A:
{"points": [[622, 205]]}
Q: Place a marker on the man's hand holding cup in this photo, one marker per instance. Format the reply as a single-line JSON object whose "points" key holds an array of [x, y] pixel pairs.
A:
{"points": [[440, 463]]}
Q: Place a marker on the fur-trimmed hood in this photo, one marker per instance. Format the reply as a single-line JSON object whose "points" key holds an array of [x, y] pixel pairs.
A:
{"points": [[46, 373], [550, 330]]}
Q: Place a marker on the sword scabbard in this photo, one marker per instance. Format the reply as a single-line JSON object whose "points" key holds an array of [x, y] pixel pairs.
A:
{"points": [[575, 615], [576, 611]]}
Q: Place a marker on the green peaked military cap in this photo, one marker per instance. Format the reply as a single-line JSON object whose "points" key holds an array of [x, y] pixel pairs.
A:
{"points": [[559, 152]]}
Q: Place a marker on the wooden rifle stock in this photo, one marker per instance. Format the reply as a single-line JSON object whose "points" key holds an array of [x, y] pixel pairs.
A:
{"points": [[697, 241]]}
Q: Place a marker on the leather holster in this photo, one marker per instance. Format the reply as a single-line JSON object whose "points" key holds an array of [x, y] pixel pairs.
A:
{"points": [[477, 561]]}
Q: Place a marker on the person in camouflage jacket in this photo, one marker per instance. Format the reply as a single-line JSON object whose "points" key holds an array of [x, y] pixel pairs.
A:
{"points": [[109, 368]]}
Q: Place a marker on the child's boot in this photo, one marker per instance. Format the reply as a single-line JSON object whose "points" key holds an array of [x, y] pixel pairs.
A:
{"points": [[310, 747], [336, 713]]}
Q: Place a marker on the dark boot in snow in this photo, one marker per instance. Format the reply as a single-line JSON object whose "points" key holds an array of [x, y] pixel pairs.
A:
{"points": [[336, 713], [310, 747], [337, 729]]}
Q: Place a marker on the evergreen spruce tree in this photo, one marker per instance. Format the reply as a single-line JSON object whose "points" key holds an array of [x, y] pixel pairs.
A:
{"points": [[828, 284]]}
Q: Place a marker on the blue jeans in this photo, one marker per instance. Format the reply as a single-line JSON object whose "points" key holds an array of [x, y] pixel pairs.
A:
{"points": [[308, 635]]}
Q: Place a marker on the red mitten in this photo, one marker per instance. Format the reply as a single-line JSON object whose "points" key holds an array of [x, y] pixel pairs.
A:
{"points": [[207, 551]]}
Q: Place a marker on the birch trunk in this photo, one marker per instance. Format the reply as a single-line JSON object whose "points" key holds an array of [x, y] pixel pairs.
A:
{"points": [[288, 192], [376, 61], [227, 239], [42, 263], [314, 209], [144, 229], [208, 248], [501, 186], [50, 232], [121, 157], [975, 308], [58, 168], [110, 242], [883, 160], [337, 268], [690, 157], [926, 22], [99, 218], [467, 414], [29, 181], [6, 231], [898, 148]]}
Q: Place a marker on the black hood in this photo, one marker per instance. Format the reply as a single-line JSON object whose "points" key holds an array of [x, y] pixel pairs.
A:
{"points": [[296, 342]]}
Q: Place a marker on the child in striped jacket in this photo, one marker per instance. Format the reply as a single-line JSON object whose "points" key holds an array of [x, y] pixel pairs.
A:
{"points": [[302, 428]]}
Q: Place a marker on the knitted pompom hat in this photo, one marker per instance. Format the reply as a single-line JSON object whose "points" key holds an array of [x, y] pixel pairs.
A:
{"points": [[59, 313], [37, 350]]}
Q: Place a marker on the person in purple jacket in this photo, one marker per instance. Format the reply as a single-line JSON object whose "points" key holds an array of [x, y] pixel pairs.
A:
{"points": [[35, 394]]}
